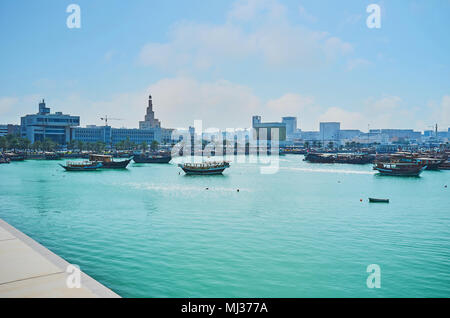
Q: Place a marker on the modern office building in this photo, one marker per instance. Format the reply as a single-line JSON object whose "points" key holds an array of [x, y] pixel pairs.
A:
{"points": [[112, 136], [310, 135], [397, 134], [329, 131], [349, 134], [149, 130], [291, 126], [3, 130], [268, 131], [9, 129], [43, 125]]}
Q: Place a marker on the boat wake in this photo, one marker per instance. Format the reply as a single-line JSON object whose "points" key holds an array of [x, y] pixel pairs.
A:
{"points": [[330, 171], [180, 188]]}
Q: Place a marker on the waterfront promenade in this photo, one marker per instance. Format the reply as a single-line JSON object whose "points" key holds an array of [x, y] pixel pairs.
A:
{"points": [[28, 269]]}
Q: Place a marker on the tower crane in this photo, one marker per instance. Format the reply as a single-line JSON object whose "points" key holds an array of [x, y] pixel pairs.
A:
{"points": [[106, 119]]}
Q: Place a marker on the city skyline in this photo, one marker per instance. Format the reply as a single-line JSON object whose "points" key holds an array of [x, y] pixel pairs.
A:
{"points": [[229, 61]]}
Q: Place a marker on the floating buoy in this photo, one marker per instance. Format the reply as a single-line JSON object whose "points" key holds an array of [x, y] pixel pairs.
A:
{"points": [[445, 186], [207, 188], [237, 190], [360, 200]]}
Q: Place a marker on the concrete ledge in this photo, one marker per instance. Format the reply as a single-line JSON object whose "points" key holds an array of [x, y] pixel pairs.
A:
{"points": [[28, 269]]}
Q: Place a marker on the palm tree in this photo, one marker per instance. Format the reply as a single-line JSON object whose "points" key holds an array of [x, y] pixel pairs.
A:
{"points": [[49, 145], [144, 147], [37, 145], [127, 143], [100, 146], [306, 144], [3, 143], [80, 145], [71, 145], [154, 145], [24, 143], [14, 143]]}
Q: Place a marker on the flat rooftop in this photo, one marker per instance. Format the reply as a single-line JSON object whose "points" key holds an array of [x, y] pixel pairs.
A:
{"points": [[29, 270]]}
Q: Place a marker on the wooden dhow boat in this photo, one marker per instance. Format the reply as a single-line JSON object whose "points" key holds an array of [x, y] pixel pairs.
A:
{"points": [[375, 200], [156, 158], [14, 156], [4, 159], [444, 166], [205, 168], [82, 166], [108, 162], [405, 169]]}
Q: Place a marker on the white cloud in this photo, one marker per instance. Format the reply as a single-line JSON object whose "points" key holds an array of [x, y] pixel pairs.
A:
{"points": [[6, 103], [385, 104], [357, 63], [249, 9], [269, 38], [306, 15], [444, 117], [11, 108], [347, 119], [109, 56], [219, 103]]}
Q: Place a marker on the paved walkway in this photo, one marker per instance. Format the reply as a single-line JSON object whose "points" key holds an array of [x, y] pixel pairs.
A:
{"points": [[28, 269]]}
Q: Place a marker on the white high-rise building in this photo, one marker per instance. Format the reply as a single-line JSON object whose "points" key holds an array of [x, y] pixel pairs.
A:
{"points": [[330, 131], [291, 126]]}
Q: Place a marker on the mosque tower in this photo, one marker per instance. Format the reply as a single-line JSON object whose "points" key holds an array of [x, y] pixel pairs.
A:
{"points": [[150, 120]]}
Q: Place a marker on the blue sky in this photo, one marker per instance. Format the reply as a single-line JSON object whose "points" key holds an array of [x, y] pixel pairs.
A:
{"points": [[222, 61]]}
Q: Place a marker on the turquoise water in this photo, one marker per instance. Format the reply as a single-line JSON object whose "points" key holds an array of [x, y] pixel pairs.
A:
{"points": [[302, 232]]}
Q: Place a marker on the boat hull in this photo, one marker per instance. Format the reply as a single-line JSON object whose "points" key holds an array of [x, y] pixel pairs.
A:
{"points": [[141, 159], [82, 168], [373, 200], [400, 173], [215, 171], [115, 164]]}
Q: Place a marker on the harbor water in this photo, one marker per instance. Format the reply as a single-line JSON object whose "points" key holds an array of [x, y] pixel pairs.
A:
{"points": [[151, 231]]}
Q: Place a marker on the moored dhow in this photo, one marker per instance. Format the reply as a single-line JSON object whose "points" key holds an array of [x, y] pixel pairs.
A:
{"points": [[108, 162], [351, 158], [4, 159], [14, 156], [406, 169], [445, 165], [205, 168], [157, 158], [82, 166]]}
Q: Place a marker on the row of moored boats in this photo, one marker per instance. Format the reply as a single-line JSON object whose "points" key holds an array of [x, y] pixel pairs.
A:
{"points": [[106, 162], [397, 164]]}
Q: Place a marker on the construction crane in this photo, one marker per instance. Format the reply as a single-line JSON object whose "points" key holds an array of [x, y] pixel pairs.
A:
{"points": [[106, 119]]}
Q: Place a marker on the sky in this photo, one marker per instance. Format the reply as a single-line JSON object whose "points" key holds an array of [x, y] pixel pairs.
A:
{"points": [[223, 61]]}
